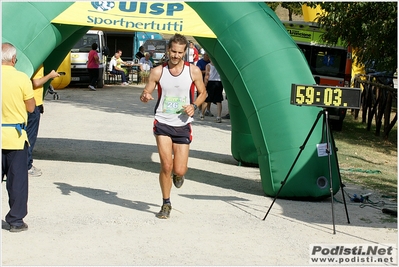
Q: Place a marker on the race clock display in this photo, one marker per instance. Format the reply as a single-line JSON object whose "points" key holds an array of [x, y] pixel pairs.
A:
{"points": [[325, 96]]}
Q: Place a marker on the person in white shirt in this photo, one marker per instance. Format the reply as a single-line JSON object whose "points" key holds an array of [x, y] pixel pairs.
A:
{"points": [[145, 63], [214, 88], [145, 67]]}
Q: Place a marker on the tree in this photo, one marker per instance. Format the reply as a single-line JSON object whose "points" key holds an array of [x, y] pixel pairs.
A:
{"points": [[369, 27], [294, 8]]}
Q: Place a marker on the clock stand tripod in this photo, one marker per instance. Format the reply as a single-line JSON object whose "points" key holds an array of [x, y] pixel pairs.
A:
{"points": [[330, 145]]}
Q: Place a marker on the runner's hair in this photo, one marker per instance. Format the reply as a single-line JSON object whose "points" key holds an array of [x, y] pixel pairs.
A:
{"points": [[178, 38]]}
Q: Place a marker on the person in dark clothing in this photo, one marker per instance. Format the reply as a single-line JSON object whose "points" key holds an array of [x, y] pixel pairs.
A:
{"points": [[141, 53]]}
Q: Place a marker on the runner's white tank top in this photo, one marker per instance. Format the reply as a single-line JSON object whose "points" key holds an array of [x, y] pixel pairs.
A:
{"points": [[173, 93]]}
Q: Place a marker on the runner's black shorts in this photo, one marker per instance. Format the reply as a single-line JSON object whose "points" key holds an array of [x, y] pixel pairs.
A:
{"points": [[179, 135]]}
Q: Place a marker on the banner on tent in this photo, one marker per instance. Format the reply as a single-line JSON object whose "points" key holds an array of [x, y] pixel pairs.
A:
{"points": [[162, 17]]}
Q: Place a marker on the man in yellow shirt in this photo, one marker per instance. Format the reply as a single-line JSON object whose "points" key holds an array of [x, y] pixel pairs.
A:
{"points": [[32, 128], [17, 99], [115, 67]]}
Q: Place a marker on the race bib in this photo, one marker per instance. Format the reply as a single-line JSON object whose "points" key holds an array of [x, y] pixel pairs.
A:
{"points": [[173, 104]]}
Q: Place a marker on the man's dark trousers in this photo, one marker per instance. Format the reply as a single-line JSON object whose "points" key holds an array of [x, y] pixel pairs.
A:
{"points": [[15, 168]]}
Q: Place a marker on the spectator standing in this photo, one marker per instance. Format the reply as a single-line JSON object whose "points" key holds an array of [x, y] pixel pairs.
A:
{"points": [[192, 53], [93, 66], [196, 55], [201, 64], [140, 53], [32, 129], [174, 113], [17, 99], [214, 88]]}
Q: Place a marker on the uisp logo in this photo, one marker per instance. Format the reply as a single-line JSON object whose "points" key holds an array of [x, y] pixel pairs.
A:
{"points": [[103, 5]]}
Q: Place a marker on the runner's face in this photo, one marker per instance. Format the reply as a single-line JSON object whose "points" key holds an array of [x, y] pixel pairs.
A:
{"points": [[176, 53]]}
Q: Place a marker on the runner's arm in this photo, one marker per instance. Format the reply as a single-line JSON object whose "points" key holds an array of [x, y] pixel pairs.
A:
{"points": [[196, 74], [153, 79]]}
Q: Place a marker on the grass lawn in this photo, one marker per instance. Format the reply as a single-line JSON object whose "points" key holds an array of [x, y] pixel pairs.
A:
{"points": [[366, 159]]}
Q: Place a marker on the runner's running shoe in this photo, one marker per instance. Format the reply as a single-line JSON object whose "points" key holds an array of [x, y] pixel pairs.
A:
{"points": [[178, 180], [164, 213]]}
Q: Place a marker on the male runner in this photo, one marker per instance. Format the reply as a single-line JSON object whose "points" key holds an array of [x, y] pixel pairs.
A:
{"points": [[174, 111]]}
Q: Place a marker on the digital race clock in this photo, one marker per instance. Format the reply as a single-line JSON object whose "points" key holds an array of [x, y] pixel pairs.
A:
{"points": [[325, 96]]}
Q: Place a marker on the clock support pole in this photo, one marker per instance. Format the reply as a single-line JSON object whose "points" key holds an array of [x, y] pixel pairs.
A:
{"points": [[330, 145]]}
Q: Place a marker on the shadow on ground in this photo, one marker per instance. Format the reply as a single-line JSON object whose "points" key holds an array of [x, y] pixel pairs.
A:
{"points": [[138, 156]]}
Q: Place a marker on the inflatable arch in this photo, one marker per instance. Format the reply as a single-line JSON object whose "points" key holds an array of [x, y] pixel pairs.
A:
{"points": [[258, 61]]}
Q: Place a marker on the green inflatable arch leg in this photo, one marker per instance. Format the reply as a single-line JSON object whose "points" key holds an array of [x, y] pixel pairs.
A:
{"points": [[40, 42], [258, 84], [266, 129]]}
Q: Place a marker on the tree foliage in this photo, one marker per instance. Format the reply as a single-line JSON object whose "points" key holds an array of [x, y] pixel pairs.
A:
{"points": [[369, 27], [273, 5]]}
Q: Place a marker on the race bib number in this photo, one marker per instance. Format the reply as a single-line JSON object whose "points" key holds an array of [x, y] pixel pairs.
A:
{"points": [[174, 105]]}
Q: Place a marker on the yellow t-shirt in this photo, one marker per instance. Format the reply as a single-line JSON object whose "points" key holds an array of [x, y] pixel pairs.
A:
{"points": [[38, 91], [16, 87], [119, 63]]}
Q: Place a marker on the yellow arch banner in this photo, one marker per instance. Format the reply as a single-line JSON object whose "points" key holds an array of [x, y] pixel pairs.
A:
{"points": [[162, 17]]}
